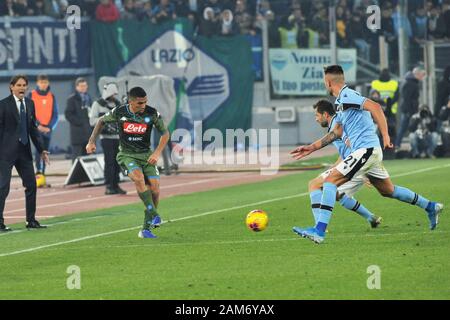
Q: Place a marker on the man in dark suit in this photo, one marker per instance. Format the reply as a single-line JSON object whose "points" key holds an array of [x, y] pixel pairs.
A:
{"points": [[17, 126], [77, 114]]}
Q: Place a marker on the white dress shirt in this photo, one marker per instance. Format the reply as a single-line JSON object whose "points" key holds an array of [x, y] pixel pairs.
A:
{"points": [[18, 104]]}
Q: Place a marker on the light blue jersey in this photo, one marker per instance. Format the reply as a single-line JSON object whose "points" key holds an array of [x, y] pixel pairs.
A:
{"points": [[340, 145], [357, 123]]}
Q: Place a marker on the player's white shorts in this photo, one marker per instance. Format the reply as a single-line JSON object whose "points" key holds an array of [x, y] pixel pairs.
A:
{"points": [[362, 162], [350, 187]]}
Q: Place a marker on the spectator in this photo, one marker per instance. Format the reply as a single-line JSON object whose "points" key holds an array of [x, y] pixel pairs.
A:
{"points": [[182, 9], [320, 24], [433, 18], [246, 24], [299, 21], [46, 110], [443, 23], [53, 8], [423, 136], [215, 5], [165, 11], [388, 89], [359, 35], [409, 97], [264, 8], [288, 34], [77, 114], [24, 8], [341, 28], [109, 137], [419, 22], [143, 10], [107, 11], [12, 9], [228, 25], [274, 34], [129, 11], [209, 25], [39, 8], [443, 90]]}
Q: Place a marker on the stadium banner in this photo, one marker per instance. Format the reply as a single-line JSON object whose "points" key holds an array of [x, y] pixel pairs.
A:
{"points": [[30, 44], [213, 76], [300, 71]]}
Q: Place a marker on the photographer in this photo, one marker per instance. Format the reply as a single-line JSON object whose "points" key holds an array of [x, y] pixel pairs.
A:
{"points": [[423, 136], [109, 137]]}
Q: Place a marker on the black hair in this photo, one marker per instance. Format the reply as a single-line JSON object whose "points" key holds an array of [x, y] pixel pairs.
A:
{"points": [[324, 106], [137, 92], [17, 78], [333, 69]]}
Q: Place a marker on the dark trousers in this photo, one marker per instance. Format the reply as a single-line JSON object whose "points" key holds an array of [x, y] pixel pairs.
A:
{"points": [[404, 123], [40, 164], [112, 168], [24, 166], [78, 150]]}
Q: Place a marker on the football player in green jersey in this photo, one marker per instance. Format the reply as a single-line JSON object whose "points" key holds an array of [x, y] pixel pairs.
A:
{"points": [[136, 120]]}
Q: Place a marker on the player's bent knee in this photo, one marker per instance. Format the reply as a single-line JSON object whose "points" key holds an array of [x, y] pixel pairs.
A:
{"points": [[312, 185]]}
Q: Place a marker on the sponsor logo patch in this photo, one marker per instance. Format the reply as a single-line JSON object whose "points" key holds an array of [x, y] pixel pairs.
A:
{"points": [[135, 128]]}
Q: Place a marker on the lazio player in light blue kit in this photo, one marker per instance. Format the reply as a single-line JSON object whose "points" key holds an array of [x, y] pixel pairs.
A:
{"points": [[355, 118], [325, 116]]}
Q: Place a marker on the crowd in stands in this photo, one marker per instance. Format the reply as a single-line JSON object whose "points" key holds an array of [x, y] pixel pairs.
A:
{"points": [[293, 23]]}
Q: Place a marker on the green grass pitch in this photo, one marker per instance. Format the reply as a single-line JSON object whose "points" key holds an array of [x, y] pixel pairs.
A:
{"points": [[206, 252]]}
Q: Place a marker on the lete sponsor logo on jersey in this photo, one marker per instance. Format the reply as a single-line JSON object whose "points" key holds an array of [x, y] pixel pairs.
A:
{"points": [[134, 128]]}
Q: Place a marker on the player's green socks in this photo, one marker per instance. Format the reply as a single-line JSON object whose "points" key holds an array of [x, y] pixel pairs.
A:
{"points": [[150, 210]]}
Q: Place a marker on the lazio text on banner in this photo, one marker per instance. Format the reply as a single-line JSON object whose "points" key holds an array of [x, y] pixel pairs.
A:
{"points": [[300, 71], [30, 44]]}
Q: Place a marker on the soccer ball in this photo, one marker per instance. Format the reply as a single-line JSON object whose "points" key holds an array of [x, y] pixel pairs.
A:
{"points": [[40, 180], [257, 220]]}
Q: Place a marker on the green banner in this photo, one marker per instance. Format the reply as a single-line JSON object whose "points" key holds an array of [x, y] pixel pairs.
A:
{"points": [[214, 74]]}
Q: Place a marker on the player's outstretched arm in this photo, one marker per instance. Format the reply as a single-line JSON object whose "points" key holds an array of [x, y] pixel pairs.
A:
{"points": [[331, 136], [378, 116], [90, 147]]}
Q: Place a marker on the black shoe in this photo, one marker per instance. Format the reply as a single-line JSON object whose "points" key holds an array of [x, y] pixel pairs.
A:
{"points": [[4, 228], [35, 225], [109, 191], [120, 190]]}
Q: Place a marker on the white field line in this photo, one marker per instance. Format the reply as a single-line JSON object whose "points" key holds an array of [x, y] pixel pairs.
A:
{"points": [[36, 216], [109, 197], [188, 217], [99, 187]]}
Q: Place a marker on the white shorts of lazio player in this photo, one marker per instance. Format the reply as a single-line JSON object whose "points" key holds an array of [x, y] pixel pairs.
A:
{"points": [[363, 162], [349, 188]]}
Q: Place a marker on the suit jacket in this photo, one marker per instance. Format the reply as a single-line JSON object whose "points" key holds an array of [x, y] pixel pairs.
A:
{"points": [[10, 129], [78, 117]]}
